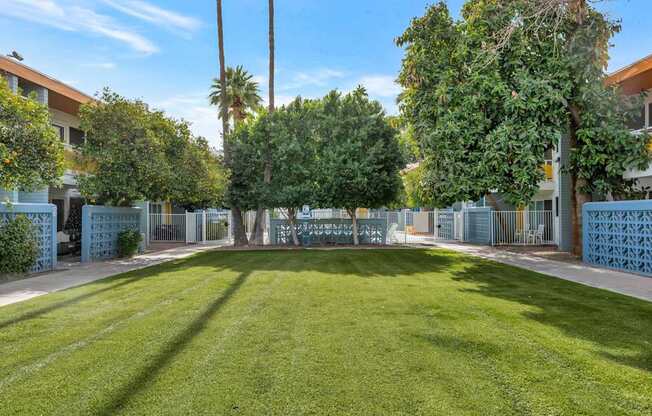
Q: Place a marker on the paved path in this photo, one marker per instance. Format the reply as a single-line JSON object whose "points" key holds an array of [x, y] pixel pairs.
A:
{"points": [[625, 283], [78, 274]]}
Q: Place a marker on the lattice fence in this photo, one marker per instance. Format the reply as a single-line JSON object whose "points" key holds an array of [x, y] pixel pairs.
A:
{"points": [[101, 226], [328, 231], [618, 235], [43, 218]]}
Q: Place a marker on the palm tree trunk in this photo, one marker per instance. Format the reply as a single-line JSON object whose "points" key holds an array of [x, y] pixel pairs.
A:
{"points": [[239, 235], [260, 212], [271, 56]]}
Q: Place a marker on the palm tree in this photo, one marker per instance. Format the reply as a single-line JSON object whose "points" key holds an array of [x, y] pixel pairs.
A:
{"points": [[271, 55], [259, 223], [241, 93], [239, 235]]}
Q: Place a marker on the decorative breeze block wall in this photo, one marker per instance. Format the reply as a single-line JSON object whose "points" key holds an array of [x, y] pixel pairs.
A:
{"points": [[328, 231], [100, 228], [44, 220], [618, 235]]}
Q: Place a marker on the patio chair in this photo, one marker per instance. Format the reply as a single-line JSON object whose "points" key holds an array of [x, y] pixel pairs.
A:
{"points": [[537, 235]]}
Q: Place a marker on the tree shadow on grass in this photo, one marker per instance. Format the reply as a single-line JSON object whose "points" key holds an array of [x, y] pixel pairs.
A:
{"points": [[147, 374], [398, 262], [620, 325], [123, 279]]}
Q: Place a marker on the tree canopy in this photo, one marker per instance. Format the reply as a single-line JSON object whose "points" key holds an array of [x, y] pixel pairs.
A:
{"points": [[31, 154], [488, 94], [336, 152], [359, 157], [140, 154]]}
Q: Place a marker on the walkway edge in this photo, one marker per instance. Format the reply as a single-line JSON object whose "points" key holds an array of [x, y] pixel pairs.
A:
{"points": [[57, 280], [636, 286]]}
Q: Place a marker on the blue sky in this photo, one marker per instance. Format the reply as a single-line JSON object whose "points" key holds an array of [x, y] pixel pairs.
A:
{"points": [[164, 51]]}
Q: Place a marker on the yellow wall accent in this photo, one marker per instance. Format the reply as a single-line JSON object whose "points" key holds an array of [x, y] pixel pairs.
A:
{"points": [[72, 160], [547, 169]]}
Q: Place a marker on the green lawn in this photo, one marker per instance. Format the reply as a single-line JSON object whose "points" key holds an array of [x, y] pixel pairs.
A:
{"points": [[367, 332]]}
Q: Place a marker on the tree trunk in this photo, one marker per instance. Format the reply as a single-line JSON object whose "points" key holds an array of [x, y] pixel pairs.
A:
{"points": [[292, 219], [259, 228], [354, 223], [578, 198], [239, 236]]}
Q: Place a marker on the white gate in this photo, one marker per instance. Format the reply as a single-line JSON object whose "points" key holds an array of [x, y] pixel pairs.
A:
{"points": [[167, 227], [193, 227], [216, 226]]}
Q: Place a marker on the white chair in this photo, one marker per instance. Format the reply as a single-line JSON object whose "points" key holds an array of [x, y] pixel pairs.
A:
{"points": [[537, 235], [391, 234]]}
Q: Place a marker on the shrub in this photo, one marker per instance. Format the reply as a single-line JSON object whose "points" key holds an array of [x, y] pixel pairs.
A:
{"points": [[18, 245], [128, 241]]}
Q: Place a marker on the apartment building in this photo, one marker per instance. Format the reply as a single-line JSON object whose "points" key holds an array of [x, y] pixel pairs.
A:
{"points": [[63, 102]]}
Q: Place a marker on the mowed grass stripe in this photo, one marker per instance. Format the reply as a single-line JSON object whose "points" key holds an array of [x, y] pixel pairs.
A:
{"points": [[334, 332]]}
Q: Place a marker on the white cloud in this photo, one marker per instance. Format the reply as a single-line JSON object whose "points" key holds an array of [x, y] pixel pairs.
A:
{"points": [[316, 78], [155, 14], [75, 19], [380, 85]]}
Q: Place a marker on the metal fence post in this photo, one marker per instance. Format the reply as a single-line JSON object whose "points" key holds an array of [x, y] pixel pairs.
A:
{"points": [[230, 228], [203, 226], [405, 231]]}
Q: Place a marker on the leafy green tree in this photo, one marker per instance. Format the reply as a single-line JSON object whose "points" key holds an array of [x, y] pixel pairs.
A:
{"points": [[126, 147], [488, 94], [31, 154], [294, 159], [358, 156], [246, 189], [199, 180], [414, 188], [140, 154]]}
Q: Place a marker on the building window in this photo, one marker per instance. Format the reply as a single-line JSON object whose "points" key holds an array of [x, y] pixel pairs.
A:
{"points": [[61, 131], [155, 208], [76, 137]]}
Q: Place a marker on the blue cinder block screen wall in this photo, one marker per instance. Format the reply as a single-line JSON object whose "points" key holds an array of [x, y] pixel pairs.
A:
{"points": [[618, 235], [44, 220]]}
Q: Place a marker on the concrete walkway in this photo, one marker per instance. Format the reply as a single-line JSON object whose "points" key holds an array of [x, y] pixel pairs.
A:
{"points": [[615, 281], [74, 275]]}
